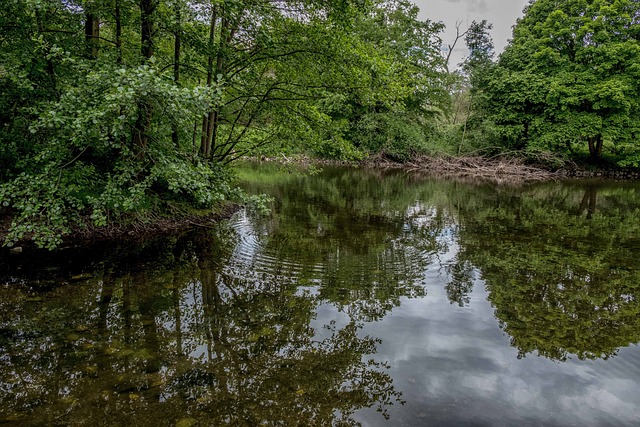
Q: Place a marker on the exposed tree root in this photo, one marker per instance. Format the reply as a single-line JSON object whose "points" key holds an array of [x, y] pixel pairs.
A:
{"points": [[138, 229], [152, 225]]}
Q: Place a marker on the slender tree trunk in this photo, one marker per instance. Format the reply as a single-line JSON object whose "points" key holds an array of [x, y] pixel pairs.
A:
{"points": [[195, 136], [175, 136], [147, 10], [205, 144], [457, 100], [214, 117], [92, 34], [118, 17], [464, 130], [212, 132], [143, 123]]}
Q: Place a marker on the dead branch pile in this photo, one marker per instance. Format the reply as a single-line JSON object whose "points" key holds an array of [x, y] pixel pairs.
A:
{"points": [[480, 167]]}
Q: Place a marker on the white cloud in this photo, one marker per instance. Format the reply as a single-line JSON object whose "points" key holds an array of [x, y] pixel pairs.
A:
{"points": [[479, 6]]}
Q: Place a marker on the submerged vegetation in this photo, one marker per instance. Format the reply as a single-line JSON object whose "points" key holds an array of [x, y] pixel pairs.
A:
{"points": [[114, 111]]}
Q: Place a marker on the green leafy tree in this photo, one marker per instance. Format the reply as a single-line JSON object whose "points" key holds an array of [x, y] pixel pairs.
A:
{"points": [[113, 110], [475, 68], [570, 79], [400, 127]]}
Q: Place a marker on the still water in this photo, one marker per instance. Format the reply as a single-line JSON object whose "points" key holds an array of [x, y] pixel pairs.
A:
{"points": [[366, 298]]}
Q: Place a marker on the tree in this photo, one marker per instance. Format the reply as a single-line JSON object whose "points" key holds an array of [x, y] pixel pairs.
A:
{"points": [[476, 65], [407, 91], [114, 109], [88, 113], [570, 78]]}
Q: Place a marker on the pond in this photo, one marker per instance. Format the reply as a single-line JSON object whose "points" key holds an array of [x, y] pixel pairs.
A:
{"points": [[366, 298]]}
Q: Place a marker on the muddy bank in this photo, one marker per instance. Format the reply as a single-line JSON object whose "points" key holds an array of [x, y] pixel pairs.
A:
{"points": [[152, 227]]}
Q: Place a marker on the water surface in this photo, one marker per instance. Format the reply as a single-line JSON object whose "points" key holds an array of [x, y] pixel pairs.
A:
{"points": [[369, 298]]}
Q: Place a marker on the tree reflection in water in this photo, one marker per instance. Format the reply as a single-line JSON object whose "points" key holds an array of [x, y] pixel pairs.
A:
{"points": [[189, 342], [558, 259], [225, 327], [560, 265]]}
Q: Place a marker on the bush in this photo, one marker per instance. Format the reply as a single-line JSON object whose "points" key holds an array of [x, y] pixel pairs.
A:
{"points": [[85, 164]]}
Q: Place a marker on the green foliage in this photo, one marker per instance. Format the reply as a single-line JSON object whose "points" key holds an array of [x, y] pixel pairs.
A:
{"points": [[84, 164], [481, 51], [397, 135], [393, 106], [463, 129], [569, 80], [47, 204], [107, 107]]}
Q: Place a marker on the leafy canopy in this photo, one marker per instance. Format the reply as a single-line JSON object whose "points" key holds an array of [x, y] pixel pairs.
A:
{"points": [[570, 79]]}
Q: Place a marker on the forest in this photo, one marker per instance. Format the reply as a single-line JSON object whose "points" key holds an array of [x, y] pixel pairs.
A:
{"points": [[117, 111]]}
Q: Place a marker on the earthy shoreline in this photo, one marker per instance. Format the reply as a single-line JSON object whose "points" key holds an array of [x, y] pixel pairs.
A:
{"points": [[130, 233], [155, 227], [497, 168]]}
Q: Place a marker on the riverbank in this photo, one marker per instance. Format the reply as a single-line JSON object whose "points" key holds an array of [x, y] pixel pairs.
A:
{"points": [[492, 168], [137, 230], [500, 169]]}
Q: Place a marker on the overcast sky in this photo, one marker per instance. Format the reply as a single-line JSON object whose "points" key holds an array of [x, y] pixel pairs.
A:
{"points": [[501, 13]]}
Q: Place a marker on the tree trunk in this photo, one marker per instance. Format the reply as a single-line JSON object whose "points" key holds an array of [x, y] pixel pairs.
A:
{"points": [[466, 120], [226, 34], [595, 147], [205, 143], [599, 141], [147, 10], [175, 136], [118, 17], [92, 34], [143, 123]]}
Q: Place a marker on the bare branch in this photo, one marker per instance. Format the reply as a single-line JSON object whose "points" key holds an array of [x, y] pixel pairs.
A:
{"points": [[452, 46]]}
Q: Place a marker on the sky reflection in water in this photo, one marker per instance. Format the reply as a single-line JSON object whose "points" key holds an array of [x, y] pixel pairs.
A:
{"points": [[454, 364], [479, 305]]}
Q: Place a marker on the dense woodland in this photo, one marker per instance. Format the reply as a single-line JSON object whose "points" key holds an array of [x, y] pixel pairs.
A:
{"points": [[114, 111]]}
